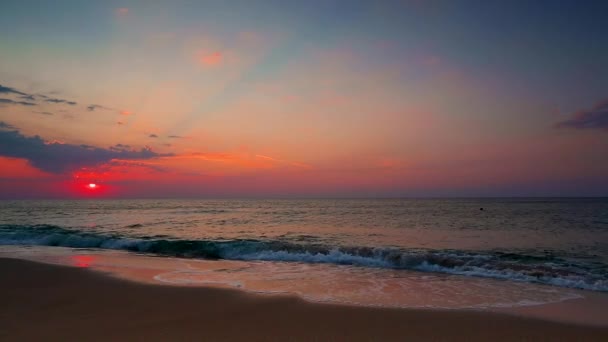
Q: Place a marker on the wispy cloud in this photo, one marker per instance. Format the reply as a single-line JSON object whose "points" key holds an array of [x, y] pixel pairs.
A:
{"points": [[9, 90], [593, 118], [266, 157], [43, 113], [301, 165], [210, 156], [4, 125], [128, 166], [93, 107], [153, 136], [23, 103], [120, 147], [52, 100], [211, 59], [30, 97]]}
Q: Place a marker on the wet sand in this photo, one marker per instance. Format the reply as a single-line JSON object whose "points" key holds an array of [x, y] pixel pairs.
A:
{"points": [[48, 302]]}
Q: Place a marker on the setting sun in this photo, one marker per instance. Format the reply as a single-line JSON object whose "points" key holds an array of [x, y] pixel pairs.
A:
{"points": [[92, 186]]}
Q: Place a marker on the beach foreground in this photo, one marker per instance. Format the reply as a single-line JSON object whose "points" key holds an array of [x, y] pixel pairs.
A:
{"points": [[63, 303]]}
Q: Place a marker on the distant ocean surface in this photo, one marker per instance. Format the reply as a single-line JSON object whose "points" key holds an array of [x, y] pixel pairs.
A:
{"points": [[560, 242]]}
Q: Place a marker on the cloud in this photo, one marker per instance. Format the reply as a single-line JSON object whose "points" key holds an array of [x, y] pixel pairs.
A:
{"points": [[128, 165], [4, 125], [126, 113], [55, 157], [175, 137], [211, 156], [212, 59], [93, 107], [594, 118], [265, 157], [301, 165], [29, 97], [43, 113], [153, 136], [122, 11], [71, 103], [23, 103], [120, 147], [9, 90]]}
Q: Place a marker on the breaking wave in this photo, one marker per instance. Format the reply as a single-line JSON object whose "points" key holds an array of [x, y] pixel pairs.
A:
{"points": [[512, 266]]}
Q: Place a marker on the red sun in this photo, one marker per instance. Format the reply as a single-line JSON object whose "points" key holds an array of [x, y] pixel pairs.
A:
{"points": [[92, 186]]}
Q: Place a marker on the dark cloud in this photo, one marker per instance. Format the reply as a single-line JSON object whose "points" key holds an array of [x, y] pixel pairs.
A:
{"points": [[93, 107], [4, 125], [52, 100], [57, 158], [30, 97], [44, 113], [9, 90], [120, 147], [175, 137], [23, 103], [594, 118], [153, 136]]}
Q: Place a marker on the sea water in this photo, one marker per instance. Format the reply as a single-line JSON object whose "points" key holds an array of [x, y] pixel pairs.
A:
{"points": [[438, 253]]}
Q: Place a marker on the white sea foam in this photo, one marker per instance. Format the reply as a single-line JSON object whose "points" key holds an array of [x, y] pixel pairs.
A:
{"points": [[511, 266], [370, 287]]}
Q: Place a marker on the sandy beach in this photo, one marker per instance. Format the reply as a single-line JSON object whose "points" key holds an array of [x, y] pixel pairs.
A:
{"points": [[51, 302]]}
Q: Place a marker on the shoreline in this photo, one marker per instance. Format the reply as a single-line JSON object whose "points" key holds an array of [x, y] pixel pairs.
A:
{"points": [[54, 302]]}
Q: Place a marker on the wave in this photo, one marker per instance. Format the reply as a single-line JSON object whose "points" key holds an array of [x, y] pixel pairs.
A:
{"points": [[512, 266]]}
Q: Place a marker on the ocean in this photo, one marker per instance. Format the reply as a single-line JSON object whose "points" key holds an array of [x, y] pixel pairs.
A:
{"points": [[442, 253]]}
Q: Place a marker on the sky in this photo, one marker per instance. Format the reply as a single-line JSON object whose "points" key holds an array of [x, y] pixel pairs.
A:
{"points": [[153, 99]]}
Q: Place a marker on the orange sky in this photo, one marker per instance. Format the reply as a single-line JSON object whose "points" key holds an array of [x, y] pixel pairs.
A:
{"points": [[255, 101]]}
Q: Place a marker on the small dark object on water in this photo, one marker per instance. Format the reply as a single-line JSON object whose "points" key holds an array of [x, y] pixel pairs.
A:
{"points": [[480, 208]]}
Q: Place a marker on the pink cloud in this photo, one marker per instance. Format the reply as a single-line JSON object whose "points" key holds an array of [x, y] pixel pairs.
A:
{"points": [[301, 165], [594, 118], [122, 11], [266, 157], [211, 59]]}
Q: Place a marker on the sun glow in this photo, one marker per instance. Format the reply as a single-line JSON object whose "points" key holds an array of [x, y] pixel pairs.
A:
{"points": [[92, 186]]}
